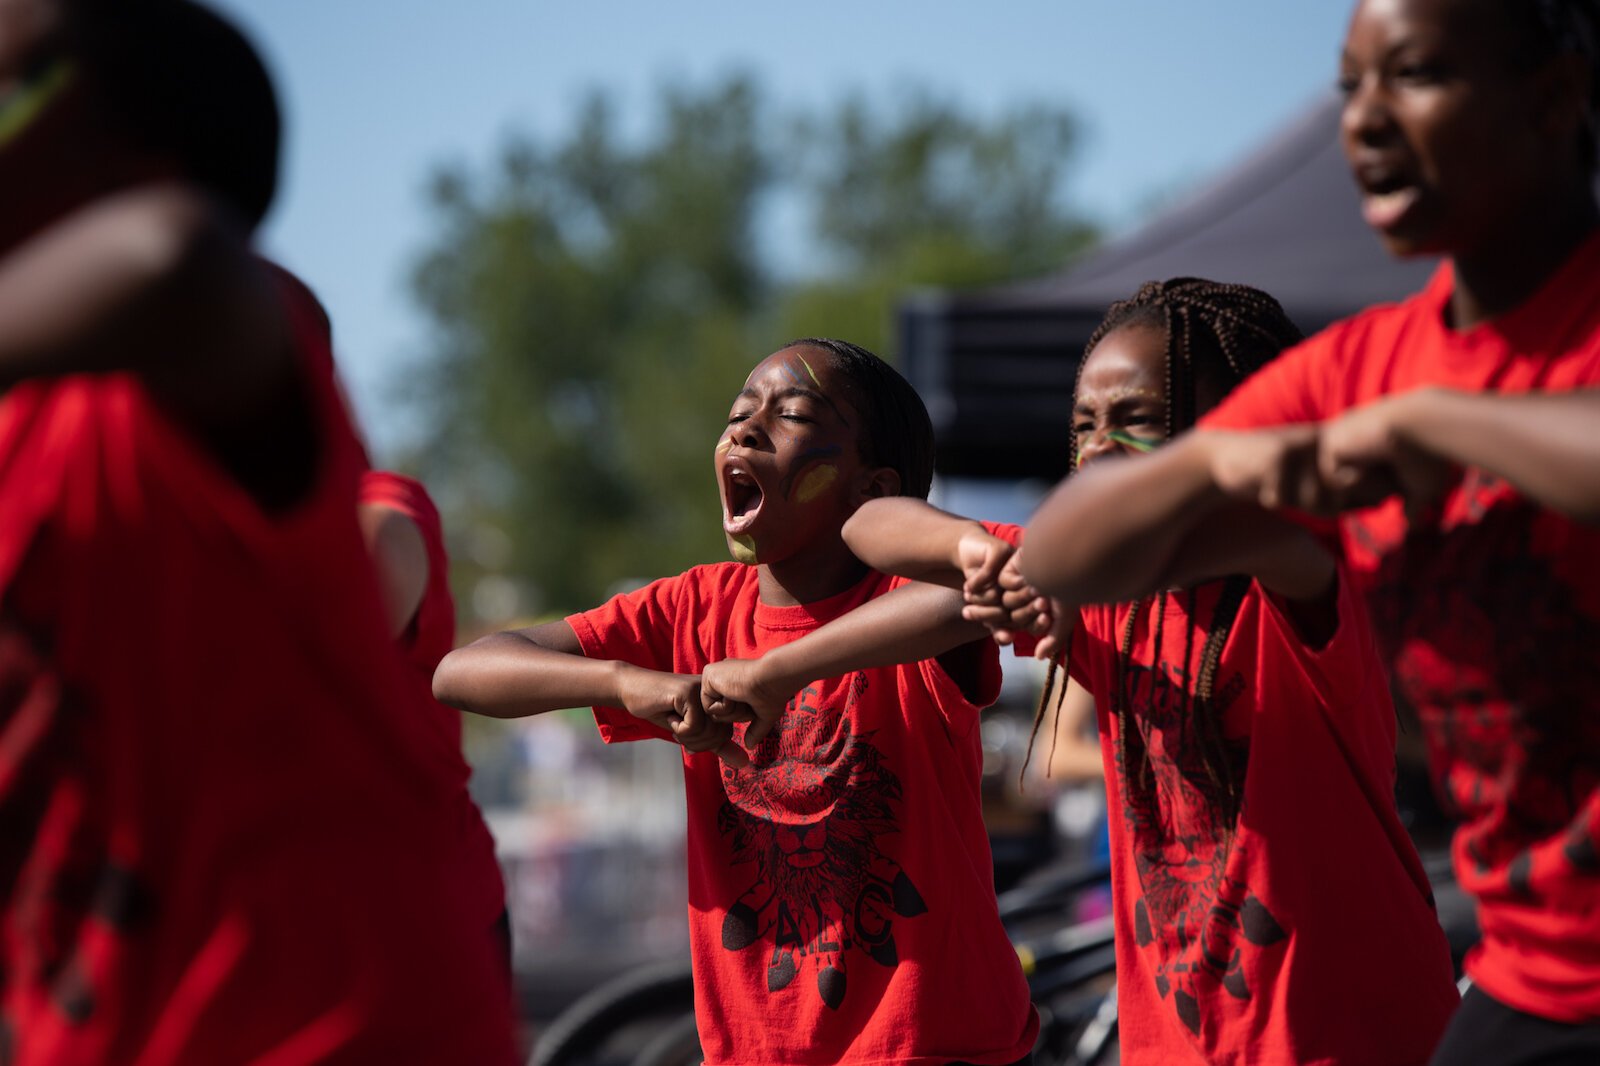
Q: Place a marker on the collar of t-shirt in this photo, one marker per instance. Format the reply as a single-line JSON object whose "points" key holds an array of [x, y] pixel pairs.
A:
{"points": [[819, 612], [1540, 323]]}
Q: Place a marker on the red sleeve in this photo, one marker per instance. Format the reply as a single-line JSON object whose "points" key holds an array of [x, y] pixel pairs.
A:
{"points": [[433, 630], [947, 693], [634, 627], [1297, 386]]}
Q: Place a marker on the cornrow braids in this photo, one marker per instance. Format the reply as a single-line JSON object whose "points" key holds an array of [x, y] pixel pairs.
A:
{"points": [[896, 430], [1551, 28], [1220, 333]]}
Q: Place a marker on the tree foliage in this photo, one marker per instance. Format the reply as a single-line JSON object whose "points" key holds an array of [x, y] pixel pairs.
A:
{"points": [[596, 301]]}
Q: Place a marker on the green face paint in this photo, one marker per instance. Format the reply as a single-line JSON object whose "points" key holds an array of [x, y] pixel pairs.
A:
{"points": [[815, 482], [744, 549], [1138, 444]]}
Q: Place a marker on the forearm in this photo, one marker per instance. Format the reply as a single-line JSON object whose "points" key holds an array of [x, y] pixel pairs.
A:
{"points": [[151, 281], [1113, 531], [1545, 444], [915, 622], [512, 675], [910, 538]]}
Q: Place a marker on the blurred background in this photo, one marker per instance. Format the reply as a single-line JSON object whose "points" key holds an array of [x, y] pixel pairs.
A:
{"points": [[554, 237]]}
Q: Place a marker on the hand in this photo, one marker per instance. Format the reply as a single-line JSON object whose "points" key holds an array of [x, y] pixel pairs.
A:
{"points": [[742, 690], [673, 702], [982, 557], [1010, 606], [1365, 454], [1274, 468]]}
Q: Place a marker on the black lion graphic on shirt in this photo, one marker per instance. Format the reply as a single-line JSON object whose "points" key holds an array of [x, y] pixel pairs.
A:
{"points": [[1193, 915], [809, 813], [1495, 655]]}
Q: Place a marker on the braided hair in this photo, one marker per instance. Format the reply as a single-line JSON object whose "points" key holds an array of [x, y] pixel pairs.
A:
{"points": [[896, 431], [1546, 29], [1219, 334]]}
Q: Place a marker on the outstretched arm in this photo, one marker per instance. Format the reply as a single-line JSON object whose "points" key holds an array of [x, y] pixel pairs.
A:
{"points": [[912, 538], [905, 625], [1545, 444], [1122, 528], [155, 281], [543, 668]]}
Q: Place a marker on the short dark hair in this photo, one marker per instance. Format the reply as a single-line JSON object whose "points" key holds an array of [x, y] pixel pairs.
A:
{"points": [[896, 431], [1545, 29], [185, 83]]}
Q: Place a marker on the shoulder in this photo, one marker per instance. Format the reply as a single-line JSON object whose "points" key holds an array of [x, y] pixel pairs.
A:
{"points": [[1320, 376]]}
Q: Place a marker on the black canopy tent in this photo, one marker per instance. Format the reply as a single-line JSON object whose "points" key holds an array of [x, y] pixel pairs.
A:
{"points": [[996, 366]]}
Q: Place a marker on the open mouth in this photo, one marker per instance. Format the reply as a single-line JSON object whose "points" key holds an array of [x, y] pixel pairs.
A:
{"points": [[1387, 196], [741, 498]]}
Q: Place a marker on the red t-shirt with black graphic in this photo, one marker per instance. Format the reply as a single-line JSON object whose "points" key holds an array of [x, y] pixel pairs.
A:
{"points": [[1488, 612], [841, 890], [1302, 928], [429, 638], [222, 844]]}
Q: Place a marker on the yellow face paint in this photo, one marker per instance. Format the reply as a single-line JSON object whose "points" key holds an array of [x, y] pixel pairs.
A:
{"points": [[807, 365], [744, 549], [727, 442], [29, 101], [815, 482]]}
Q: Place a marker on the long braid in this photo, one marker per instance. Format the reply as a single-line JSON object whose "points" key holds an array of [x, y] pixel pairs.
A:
{"points": [[1220, 334]]}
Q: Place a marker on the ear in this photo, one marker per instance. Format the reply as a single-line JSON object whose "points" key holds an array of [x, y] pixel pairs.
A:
{"points": [[1563, 89], [875, 482]]}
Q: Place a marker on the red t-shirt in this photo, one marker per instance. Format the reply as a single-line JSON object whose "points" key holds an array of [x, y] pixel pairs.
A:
{"points": [[221, 843], [841, 890], [1489, 614], [429, 638], [1305, 932]]}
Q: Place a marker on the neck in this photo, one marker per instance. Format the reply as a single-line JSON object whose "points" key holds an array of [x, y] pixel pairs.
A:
{"points": [[1504, 273], [809, 576]]}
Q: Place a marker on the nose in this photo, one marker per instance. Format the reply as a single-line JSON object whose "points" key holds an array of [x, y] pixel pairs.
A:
{"points": [[1094, 444], [1365, 119], [750, 433]]}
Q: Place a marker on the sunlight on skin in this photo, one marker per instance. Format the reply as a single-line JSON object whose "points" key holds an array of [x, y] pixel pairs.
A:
{"points": [[812, 485]]}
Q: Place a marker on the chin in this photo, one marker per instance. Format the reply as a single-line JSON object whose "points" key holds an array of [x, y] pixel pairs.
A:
{"points": [[743, 549]]}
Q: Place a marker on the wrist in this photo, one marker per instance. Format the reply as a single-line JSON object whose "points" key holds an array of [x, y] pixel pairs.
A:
{"points": [[619, 680], [782, 669]]}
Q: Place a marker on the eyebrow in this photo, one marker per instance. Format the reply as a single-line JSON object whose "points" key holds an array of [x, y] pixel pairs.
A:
{"points": [[794, 391], [1125, 398]]}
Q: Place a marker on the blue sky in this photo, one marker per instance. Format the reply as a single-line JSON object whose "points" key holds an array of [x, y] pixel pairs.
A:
{"points": [[377, 94]]}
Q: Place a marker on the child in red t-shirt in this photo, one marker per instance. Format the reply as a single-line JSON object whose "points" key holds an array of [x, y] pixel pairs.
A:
{"points": [[1269, 906], [1455, 433], [405, 537], [841, 896], [220, 843]]}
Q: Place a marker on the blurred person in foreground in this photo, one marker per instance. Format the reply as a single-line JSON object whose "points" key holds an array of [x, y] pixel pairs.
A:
{"points": [[219, 843]]}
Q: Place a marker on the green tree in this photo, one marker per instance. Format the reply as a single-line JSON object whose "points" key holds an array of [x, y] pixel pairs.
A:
{"points": [[925, 195], [590, 302], [596, 301]]}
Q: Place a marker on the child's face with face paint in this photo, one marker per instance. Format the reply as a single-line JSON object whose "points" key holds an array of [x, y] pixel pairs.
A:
{"points": [[789, 465], [1121, 404]]}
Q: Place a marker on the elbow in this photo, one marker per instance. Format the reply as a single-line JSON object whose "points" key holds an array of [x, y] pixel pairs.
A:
{"points": [[450, 681]]}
